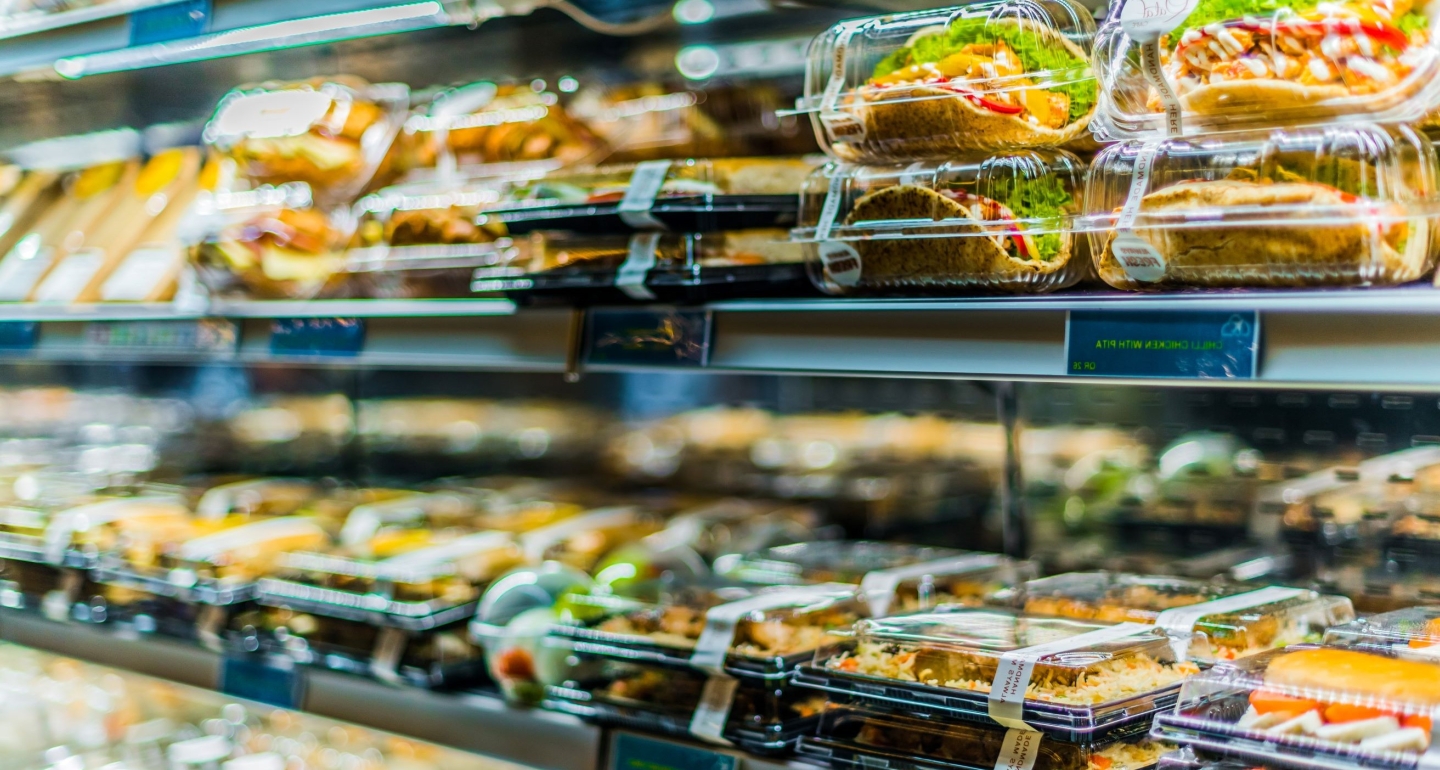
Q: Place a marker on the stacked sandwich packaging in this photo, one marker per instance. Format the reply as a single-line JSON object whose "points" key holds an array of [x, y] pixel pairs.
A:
{"points": [[948, 128]]}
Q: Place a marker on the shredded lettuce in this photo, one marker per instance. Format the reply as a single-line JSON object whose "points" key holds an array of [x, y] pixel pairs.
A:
{"points": [[1413, 22], [1211, 11], [1042, 199], [1034, 52]]}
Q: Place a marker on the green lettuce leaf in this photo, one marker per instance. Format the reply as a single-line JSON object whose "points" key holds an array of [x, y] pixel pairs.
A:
{"points": [[1035, 53], [1044, 199], [1210, 11], [1412, 22]]}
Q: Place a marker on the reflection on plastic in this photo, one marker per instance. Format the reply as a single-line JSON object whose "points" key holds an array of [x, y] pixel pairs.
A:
{"points": [[1201, 345], [664, 337]]}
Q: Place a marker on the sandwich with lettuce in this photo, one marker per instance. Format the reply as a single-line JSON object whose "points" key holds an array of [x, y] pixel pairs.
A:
{"points": [[978, 82]]}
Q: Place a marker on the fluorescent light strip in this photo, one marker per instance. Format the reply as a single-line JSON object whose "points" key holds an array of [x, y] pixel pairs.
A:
{"points": [[315, 30]]}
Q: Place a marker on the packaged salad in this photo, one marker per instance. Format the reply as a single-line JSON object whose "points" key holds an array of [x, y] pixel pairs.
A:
{"points": [[1346, 204], [1366, 708], [996, 666], [1207, 65], [984, 76], [1000, 223], [851, 737]]}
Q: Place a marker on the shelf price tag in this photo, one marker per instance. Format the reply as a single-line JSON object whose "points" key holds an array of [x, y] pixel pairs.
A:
{"points": [[635, 752], [330, 337], [1193, 345], [18, 336], [209, 337], [188, 18], [269, 679], [649, 337]]}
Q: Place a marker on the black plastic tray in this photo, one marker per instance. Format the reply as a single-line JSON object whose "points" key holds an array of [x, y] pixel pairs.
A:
{"points": [[780, 742], [1297, 752], [346, 605], [691, 213], [711, 284]]}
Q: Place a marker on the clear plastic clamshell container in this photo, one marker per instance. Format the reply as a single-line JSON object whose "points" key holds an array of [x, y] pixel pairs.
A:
{"points": [[913, 577], [581, 541], [1245, 620], [782, 628], [987, 75], [1336, 205], [332, 134], [425, 240], [1085, 675], [1000, 223], [1225, 64], [850, 737], [1414, 632], [1311, 706], [487, 123]]}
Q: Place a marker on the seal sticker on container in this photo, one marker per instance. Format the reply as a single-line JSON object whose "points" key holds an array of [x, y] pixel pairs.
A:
{"points": [[1145, 21], [1006, 702], [272, 114], [645, 184], [639, 261], [1019, 750], [713, 645], [537, 542], [878, 586], [838, 123], [1179, 622], [1140, 261]]}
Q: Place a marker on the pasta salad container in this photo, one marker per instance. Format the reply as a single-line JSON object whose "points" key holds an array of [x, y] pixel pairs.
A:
{"points": [[983, 76], [851, 737], [892, 576], [1002, 223], [1060, 676], [332, 134], [1211, 65], [1309, 706], [1346, 204], [748, 632], [1214, 622], [425, 240]]}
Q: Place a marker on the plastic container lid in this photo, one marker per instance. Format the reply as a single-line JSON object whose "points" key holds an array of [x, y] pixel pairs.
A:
{"points": [[429, 221], [1256, 63], [983, 76], [863, 738], [1217, 622], [1043, 672], [891, 575], [489, 123], [1414, 632], [1369, 707], [1343, 204], [1001, 222]]}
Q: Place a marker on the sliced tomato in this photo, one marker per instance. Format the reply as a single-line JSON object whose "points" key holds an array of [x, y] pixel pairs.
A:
{"points": [[1270, 702]]}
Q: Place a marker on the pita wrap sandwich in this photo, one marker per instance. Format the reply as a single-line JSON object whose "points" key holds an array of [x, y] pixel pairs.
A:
{"points": [[977, 84], [979, 242], [1308, 57], [1350, 241]]}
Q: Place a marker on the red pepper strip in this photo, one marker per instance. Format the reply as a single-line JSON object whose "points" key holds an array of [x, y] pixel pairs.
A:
{"points": [[980, 101], [1382, 33]]}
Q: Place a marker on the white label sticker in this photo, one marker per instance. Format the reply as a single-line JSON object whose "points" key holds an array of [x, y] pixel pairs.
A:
{"points": [[71, 276], [1146, 20], [1140, 261], [1019, 750], [713, 711], [140, 274], [878, 587], [1006, 703], [271, 114], [1179, 622], [638, 263], [841, 263], [830, 209], [23, 266], [840, 125], [645, 184]]}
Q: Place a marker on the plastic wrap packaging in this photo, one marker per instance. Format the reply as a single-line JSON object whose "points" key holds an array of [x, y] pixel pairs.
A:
{"points": [[332, 134], [1306, 704], [486, 123], [999, 223], [984, 76], [582, 541], [423, 241], [683, 195], [88, 197], [1210, 65], [851, 737], [1414, 631], [892, 576], [1340, 205], [1216, 622], [1060, 676]]}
